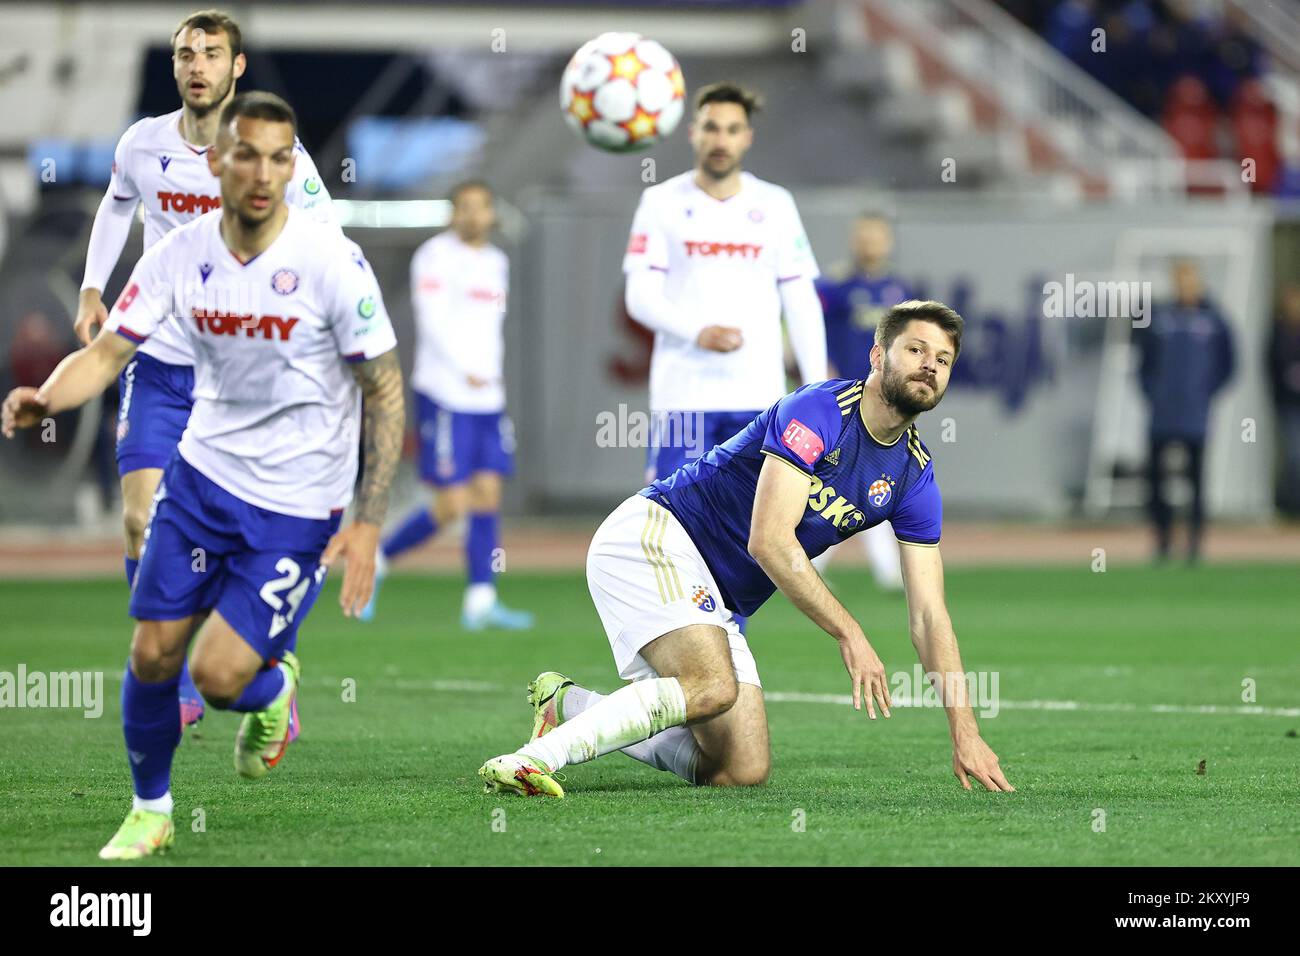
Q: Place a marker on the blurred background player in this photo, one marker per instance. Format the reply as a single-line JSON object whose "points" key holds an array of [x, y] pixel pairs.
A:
{"points": [[267, 462], [854, 297], [715, 257], [1284, 376], [459, 282], [161, 162], [1186, 356]]}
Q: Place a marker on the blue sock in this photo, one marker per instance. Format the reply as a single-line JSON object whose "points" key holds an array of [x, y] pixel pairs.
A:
{"points": [[186, 690], [415, 530], [480, 542], [260, 691], [741, 621], [131, 565], [151, 724]]}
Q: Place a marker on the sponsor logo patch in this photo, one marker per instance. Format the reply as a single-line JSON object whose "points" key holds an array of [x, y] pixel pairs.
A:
{"points": [[803, 441]]}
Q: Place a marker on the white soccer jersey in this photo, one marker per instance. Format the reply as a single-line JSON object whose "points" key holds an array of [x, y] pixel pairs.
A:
{"points": [[724, 261], [276, 409], [459, 294], [155, 165]]}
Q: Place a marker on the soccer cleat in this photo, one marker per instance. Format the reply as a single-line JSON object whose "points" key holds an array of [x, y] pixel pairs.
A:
{"points": [[546, 693], [295, 725], [143, 833], [191, 714], [264, 735], [515, 773], [367, 613], [191, 701], [497, 617]]}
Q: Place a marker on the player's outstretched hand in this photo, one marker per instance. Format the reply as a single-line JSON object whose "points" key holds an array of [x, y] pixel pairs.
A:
{"points": [[22, 409], [720, 338], [971, 755], [91, 316], [867, 673], [356, 545]]}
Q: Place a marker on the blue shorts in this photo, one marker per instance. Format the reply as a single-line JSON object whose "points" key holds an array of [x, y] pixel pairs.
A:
{"points": [[454, 445], [155, 407], [679, 437], [206, 549]]}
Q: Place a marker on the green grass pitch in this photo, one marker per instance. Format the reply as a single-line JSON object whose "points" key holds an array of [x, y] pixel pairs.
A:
{"points": [[389, 778]]}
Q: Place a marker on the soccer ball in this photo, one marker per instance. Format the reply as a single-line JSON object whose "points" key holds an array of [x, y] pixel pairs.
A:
{"points": [[622, 92]]}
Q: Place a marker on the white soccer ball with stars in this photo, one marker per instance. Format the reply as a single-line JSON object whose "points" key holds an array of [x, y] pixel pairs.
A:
{"points": [[622, 92]]}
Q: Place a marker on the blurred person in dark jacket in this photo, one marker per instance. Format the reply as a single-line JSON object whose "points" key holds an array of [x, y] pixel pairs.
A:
{"points": [[1186, 357], [1284, 375]]}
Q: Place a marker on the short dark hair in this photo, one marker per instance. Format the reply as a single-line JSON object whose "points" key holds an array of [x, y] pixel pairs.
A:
{"points": [[895, 320], [465, 185], [258, 104], [213, 21], [728, 92]]}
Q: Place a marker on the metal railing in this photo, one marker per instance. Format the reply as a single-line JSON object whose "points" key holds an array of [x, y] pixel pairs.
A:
{"points": [[1095, 131]]}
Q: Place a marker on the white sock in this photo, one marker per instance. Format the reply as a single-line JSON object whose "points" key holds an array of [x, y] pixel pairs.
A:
{"points": [[161, 804], [628, 716], [479, 598], [675, 750]]}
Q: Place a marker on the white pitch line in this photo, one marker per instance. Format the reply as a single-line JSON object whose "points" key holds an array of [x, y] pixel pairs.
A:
{"points": [[454, 685], [1243, 710]]}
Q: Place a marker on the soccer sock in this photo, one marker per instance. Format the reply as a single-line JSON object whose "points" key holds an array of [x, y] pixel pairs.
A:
{"points": [[261, 692], [480, 542], [151, 725], [415, 530], [629, 715], [131, 565], [675, 750]]}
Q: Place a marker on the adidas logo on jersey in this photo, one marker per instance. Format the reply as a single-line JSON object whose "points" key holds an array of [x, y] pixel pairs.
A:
{"points": [[833, 458]]}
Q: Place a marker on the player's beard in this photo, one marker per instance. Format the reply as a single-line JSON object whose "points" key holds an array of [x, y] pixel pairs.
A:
{"points": [[894, 390], [720, 172], [220, 90]]}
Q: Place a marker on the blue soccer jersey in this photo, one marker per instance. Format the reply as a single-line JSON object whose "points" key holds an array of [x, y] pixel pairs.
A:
{"points": [[852, 307], [857, 482]]}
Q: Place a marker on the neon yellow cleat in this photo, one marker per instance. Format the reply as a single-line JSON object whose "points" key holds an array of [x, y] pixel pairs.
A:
{"points": [[515, 773], [545, 693], [143, 833], [264, 735]]}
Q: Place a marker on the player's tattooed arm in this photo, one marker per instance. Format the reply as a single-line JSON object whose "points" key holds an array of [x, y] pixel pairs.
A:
{"points": [[383, 426]]}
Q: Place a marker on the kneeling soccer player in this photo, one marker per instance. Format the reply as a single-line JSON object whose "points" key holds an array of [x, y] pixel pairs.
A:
{"points": [[672, 565], [246, 519]]}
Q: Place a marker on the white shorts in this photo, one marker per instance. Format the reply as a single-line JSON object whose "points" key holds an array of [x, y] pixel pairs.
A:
{"points": [[646, 579]]}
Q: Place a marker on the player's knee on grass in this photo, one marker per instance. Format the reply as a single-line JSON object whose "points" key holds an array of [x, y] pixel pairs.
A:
{"points": [[156, 653], [708, 694], [751, 773]]}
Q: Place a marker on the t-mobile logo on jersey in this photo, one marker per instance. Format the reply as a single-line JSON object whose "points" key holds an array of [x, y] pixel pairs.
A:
{"points": [[222, 323], [746, 250], [188, 202]]}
